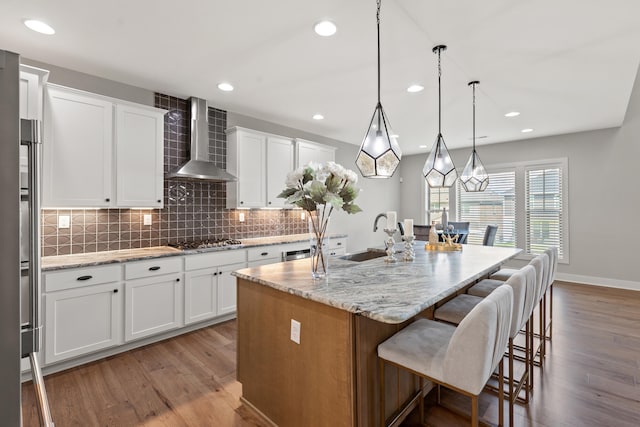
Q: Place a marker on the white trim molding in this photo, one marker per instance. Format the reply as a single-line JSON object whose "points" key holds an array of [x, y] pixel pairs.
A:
{"points": [[598, 281]]}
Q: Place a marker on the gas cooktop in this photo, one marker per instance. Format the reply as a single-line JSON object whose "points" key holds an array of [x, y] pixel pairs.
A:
{"points": [[204, 244]]}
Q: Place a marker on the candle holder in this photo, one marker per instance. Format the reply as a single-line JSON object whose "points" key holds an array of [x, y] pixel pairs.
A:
{"points": [[389, 243], [409, 254]]}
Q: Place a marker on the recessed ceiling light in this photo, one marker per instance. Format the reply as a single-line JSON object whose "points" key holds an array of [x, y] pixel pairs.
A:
{"points": [[227, 87], [395, 135], [512, 114], [318, 117], [526, 130], [325, 28], [422, 146], [415, 88], [39, 26], [478, 137]]}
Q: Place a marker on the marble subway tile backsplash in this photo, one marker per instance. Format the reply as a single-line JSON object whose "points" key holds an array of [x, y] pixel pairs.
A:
{"points": [[192, 210]]}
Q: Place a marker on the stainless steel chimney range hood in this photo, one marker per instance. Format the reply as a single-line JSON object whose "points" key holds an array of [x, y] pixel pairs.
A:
{"points": [[199, 167]]}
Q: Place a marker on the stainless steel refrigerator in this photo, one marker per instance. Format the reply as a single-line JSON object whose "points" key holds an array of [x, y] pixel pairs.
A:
{"points": [[19, 263]]}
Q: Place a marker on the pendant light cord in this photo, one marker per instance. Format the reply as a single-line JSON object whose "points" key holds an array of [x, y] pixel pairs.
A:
{"points": [[473, 153], [378, 27], [439, 95]]}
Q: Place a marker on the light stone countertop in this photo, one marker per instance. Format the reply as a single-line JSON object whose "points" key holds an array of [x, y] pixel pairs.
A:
{"points": [[60, 262], [389, 293]]}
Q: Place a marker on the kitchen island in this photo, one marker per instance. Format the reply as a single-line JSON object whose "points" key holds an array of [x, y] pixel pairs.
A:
{"points": [[330, 376]]}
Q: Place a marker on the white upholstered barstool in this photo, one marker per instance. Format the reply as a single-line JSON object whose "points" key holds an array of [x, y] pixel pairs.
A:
{"points": [[461, 358], [525, 291]]}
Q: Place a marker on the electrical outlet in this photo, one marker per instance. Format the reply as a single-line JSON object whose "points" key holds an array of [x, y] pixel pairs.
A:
{"points": [[302, 215], [241, 217], [64, 221], [295, 331], [147, 219]]}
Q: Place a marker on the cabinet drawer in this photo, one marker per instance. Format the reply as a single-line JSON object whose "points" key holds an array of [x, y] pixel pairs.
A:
{"points": [[214, 259], [151, 268], [265, 252], [80, 277], [338, 243]]}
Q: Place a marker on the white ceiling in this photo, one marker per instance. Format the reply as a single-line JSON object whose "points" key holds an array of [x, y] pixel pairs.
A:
{"points": [[567, 66]]}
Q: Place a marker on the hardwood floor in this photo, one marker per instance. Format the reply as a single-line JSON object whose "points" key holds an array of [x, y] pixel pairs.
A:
{"points": [[591, 376]]}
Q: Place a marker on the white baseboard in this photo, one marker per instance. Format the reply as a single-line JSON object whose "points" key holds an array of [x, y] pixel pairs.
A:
{"points": [[598, 281]]}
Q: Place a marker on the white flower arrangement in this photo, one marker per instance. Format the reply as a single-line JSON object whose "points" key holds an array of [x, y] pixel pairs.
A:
{"points": [[313, 187]]}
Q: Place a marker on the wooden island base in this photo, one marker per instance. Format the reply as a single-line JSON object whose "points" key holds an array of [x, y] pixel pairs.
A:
{"points": [[330, 378]]}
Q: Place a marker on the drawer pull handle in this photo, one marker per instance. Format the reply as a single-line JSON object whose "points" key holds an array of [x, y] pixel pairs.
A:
{"points": [[81, 278], [115, 291], [264, 253], [154, 268], [107, 200], [339, 243]]}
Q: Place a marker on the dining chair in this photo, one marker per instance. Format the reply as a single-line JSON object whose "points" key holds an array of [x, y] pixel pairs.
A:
{"points": [[524, 287], [421, 232], [460, 358], [461, 226], [490, 235]]}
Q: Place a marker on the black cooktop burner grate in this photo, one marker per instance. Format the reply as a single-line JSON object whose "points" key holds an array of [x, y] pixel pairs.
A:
{"points": [[203, 244]]}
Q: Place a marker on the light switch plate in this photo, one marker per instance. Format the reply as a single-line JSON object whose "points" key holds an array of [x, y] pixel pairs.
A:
{"points": [[295, 331], [147, 219], [241, 217], [64, 221]]}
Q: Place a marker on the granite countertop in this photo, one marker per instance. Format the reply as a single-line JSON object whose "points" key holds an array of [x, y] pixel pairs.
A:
{"points": [[389, 293], [108, 257]]}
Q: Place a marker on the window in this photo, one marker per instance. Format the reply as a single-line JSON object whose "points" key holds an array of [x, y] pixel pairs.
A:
{"points": [[437, 198], [494, 206], [527, 201], [543, 209]]}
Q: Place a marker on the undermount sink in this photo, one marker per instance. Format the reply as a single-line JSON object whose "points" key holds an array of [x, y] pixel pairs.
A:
{"points": [[364, 255]]}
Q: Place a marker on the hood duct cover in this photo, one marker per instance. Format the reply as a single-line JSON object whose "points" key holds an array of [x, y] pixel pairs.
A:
{"points": [[199, 167]]}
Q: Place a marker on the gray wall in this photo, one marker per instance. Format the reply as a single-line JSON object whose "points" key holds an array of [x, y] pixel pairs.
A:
{"points": [[604, 194]]}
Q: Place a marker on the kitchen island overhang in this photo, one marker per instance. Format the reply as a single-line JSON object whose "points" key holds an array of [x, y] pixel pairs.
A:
{"points": [[330, 377]]}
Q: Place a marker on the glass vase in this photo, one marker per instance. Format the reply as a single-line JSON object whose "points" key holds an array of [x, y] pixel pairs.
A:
{"points": [[319, 244]]}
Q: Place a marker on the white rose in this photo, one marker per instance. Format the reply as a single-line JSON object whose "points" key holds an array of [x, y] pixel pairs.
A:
{"points": [[351, 176], [335, 169], [294, 177]]}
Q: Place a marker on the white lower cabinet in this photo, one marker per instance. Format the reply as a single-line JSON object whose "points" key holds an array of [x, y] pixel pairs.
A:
{"points": [[82, 320], [153, 297], [210, 289]]}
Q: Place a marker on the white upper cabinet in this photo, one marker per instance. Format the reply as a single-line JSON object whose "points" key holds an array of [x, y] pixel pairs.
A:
{"points": [[100, 152], [77, 150], [246, 159], [279, 164], [261, 162], [31, 81], [307, 151], [139, 156]]}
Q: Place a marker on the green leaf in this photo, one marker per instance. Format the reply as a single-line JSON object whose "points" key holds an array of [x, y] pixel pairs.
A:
{"points": [[317, 191], [333, 199], [297, 195], [306, 204], [349, 193], [307, 175], [287, 192], [350, 208], [333, 183]]}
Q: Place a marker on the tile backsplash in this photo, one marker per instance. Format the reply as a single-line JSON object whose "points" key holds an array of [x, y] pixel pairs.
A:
{"points": [[192, 210]]}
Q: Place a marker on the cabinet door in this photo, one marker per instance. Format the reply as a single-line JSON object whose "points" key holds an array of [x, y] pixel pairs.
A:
{"points": [[152, 305], [82, 320], [227, 299], [251, 170], [312, 152], [77, 150], [139, 157], [279, 164], [29, 96], [201, 295]]}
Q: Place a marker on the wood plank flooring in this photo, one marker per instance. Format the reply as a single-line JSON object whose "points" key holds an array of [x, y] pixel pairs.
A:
{"points": [[591, 376]]}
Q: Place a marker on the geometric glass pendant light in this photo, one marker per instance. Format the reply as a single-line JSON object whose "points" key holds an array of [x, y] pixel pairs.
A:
{"points": [[379, 154], [474, 176], [439, 170]]}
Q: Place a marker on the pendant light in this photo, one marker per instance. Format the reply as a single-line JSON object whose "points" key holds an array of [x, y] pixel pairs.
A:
{"points": [[439, 170], [380, 153], [474, 176]]}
